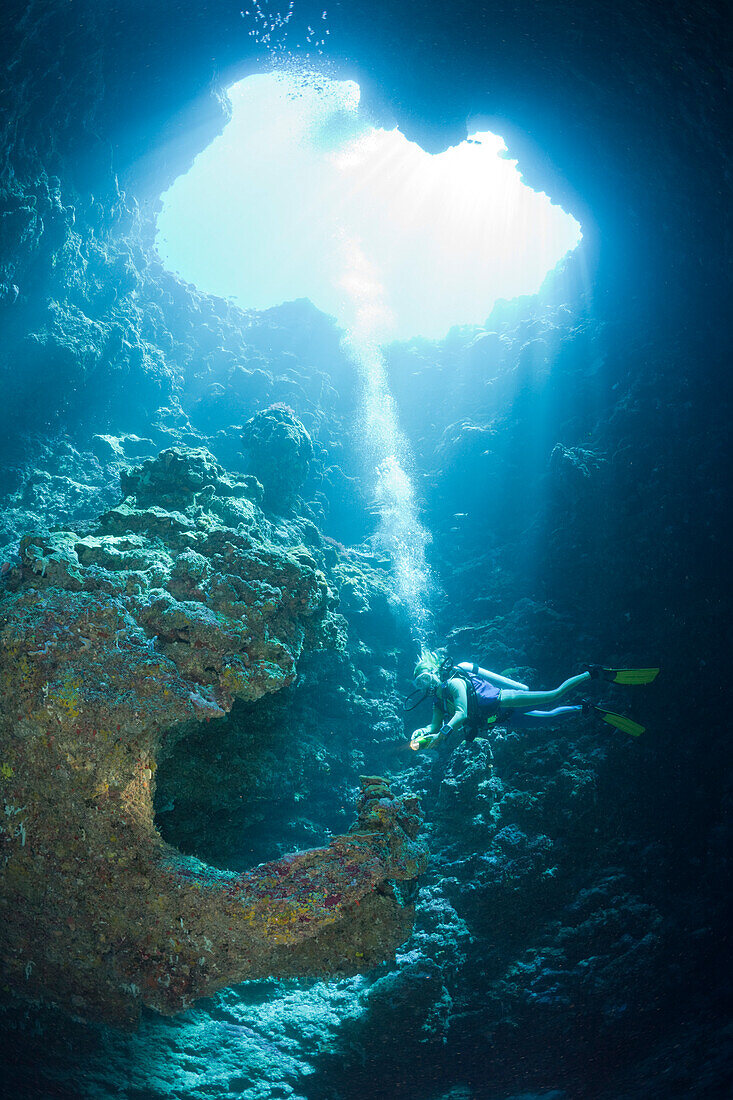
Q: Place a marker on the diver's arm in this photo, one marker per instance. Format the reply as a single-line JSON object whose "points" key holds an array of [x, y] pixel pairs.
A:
{"points": [[457, 689], [428, 735], [492, 677], [436, 735]]}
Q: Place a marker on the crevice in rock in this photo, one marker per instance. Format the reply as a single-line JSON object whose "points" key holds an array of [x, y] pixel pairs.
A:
{"points": [[253, 785]]}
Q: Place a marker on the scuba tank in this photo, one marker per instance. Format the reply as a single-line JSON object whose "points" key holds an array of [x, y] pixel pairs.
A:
{"points": [[483, 698]]}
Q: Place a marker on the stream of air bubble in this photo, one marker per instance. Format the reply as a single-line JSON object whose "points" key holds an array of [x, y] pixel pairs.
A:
{"points": [[400, 533]]}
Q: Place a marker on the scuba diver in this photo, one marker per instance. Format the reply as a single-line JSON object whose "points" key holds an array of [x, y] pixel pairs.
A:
{"points": [[469, 698]]}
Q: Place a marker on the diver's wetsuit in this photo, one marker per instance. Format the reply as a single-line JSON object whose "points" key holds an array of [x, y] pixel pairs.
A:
{"points": [[510, 705], [509, 699], [479, 699], [477, 703]]}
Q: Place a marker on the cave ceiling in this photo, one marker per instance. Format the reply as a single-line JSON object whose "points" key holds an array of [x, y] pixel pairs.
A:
{"points": [[610, 108]]}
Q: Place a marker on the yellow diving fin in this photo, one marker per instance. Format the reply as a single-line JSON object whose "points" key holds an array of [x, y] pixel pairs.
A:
{"points": [[621, 722], [630, 675]]}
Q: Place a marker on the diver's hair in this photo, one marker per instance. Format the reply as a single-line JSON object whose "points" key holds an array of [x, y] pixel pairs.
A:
{"points": [[428, 662]]}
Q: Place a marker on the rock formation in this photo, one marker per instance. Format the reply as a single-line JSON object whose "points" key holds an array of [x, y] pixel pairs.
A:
{"points": [[280, 452], [115, 642]]}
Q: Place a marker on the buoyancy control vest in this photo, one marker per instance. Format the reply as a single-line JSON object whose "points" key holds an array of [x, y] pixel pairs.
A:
{"points": [[482, 696]]}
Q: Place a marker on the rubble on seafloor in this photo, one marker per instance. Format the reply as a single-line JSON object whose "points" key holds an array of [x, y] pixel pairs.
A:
{"points": [[115, 642]]}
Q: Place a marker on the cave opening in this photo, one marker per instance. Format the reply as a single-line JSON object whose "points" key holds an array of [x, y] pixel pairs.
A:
{"points": [[235, 793], [304, 195], [271, 777]]}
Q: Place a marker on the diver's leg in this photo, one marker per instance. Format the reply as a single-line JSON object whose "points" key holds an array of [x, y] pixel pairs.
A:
{"points": [[510, 698], [545, 717]]}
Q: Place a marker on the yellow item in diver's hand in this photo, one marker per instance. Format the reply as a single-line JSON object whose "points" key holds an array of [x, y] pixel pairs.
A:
{"points": [[422, 740]]}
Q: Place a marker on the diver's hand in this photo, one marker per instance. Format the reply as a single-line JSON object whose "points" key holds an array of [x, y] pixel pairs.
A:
{"points": [[423, 738], [426, 739]]}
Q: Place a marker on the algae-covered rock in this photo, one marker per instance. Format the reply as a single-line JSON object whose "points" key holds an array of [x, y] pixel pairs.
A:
{"points": [[280, 452], [115, 642]]}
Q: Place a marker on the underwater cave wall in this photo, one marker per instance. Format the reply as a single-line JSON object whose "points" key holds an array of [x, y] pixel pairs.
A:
{"points": [[580, 889]]}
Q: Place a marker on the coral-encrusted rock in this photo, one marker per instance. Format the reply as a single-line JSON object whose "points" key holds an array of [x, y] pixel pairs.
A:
{"points": [[280, 452], [177, 603]]}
